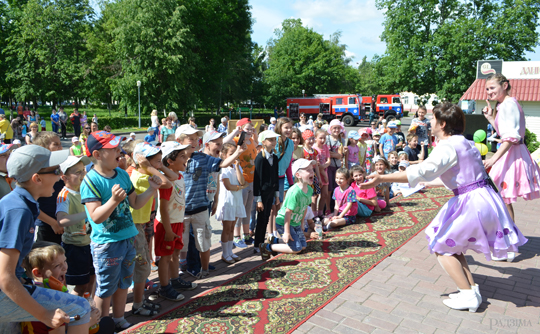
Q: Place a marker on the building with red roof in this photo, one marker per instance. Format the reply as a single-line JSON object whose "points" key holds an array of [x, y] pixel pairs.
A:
{"points": [[524, 77]]}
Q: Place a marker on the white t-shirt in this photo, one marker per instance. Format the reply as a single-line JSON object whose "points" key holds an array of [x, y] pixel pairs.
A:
{"points": [[176, 195]]}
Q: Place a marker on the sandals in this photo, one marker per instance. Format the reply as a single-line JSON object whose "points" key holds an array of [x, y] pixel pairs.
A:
{"points": [[146, 310], [122, 326], [265, 254], [154, 306]]}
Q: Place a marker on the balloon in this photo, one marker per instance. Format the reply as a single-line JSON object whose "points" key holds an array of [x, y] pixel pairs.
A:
{"points": [[482, 148], [479, 136]]}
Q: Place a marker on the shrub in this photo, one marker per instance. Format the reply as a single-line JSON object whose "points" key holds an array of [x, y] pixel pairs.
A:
{"points": [[531, 141]]}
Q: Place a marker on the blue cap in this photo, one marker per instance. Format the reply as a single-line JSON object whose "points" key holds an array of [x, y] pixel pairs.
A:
{"points": [[354, 135]]}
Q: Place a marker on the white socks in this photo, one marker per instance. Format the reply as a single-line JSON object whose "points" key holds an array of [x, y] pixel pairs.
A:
{"points": [[225, 248]]}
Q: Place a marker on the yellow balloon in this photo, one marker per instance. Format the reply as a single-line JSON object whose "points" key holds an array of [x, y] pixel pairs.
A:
{"points": [[482, 148]]}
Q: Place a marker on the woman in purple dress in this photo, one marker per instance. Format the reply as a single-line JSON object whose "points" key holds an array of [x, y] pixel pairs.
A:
{"points": [[475, 219]]}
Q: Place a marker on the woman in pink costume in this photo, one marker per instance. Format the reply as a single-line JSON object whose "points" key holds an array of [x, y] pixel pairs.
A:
{"points": [[512, 169], [474, 219]]}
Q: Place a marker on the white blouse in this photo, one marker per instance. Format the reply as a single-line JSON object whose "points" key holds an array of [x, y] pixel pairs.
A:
{"points": [[508, 120], [442, 158]]}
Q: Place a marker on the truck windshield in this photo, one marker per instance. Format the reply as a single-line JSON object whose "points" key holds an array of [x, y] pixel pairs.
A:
{"points": [[396, 100]]}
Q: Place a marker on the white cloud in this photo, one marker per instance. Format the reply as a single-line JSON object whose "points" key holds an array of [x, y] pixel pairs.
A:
{"points": [[358, 20]]}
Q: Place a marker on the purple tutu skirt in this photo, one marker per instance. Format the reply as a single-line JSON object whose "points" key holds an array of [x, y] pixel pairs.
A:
{"points": [[477, 220]]}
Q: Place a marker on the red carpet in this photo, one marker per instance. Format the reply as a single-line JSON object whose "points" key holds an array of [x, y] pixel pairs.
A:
{"points": [[279, 295]]}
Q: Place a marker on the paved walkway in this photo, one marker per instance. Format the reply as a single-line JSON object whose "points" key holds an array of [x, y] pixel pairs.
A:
{"points": [[404, 293]]}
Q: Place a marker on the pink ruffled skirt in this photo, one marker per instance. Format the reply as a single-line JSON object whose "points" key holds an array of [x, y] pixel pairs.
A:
{"points": [[516, 174], [478, 221]]}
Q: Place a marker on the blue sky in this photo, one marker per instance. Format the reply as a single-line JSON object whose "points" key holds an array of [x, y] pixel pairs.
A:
{"points": [[358, 20]]}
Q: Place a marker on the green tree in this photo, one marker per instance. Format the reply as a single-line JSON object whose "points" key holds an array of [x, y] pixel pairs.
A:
{"points": [[433, 46], [153, 45], [301, 59], [46, 49]]}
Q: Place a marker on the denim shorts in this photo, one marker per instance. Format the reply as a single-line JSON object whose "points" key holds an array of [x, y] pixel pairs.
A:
{"points": [[299, 240], [50, 300], [114, 263], [80, 264]]}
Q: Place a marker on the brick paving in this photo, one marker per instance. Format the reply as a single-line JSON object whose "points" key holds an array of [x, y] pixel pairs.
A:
{"points": [[404, 293]]}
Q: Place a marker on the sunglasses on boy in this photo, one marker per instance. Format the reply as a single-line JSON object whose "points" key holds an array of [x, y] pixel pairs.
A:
{"points": [[56, 172]]}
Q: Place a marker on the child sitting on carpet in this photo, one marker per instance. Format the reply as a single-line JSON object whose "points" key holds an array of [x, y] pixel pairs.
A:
{"points": [[345, 208], [366, 198], [289, 217]]}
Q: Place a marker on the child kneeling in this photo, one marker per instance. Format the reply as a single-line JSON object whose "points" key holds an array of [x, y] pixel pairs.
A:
{"points": [[290, 217]]}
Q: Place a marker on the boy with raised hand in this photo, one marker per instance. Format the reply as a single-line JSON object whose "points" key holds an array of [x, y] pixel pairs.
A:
{"points": [[196, 179], [36, 171], [389, 142], [148, 162], [107, 193], [71, 216], [169, 226]]}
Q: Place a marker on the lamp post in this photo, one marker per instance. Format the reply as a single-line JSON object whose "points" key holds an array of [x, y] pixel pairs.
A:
{"points": [[303, 93], [139, 91]]}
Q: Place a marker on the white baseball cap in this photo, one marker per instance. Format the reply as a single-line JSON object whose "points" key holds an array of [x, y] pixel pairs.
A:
{"points": [[213, 135], [72, 161], [267, 134], [169, 146], [187, 130], [132, 134], [301, 164]]}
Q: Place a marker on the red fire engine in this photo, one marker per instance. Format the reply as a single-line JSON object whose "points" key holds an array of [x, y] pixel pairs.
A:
{"points": [[350, 108]]}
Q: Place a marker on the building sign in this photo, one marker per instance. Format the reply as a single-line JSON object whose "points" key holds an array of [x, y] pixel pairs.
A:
{"points": [[521, 69], [486, 67]]}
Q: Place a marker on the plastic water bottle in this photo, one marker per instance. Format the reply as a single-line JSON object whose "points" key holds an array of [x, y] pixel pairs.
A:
{"points": [[318, 228], [94, 329]]}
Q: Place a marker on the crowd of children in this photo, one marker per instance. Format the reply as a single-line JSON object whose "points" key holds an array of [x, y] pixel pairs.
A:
{"points": [[112, 207]]}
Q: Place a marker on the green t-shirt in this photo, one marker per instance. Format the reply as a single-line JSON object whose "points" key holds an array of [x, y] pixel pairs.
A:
{"points": [[297, 201]]}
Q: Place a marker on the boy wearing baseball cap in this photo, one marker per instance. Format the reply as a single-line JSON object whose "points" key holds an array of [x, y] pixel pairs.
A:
{"points": [[265, 183], [148, 161], [36, 171], [389, 142], [169, 227], [198, 166], [76, 148], [291, 215], [150, 137], [71, 216], [107, 193]]}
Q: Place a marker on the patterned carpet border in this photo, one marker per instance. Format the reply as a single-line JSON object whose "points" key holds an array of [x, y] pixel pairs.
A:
{"points": [[278, 296]]}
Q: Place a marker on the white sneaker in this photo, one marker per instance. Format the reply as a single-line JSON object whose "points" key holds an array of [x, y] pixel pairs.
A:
{"points": [[467, 299]]}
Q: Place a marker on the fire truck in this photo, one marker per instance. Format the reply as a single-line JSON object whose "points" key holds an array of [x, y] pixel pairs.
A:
{"points": [[388, 106], [350, 108], [347, 107]]}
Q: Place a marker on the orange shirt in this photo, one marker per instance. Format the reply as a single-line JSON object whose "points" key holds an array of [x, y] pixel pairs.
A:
{"points": [[247, 160]]}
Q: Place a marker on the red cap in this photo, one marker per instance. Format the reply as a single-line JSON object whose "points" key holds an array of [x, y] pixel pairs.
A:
{"points": [[307, 134], [243, 122], [101, 139]]}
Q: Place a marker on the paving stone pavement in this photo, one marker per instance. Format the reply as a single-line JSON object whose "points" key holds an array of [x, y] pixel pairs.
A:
{"points": [[404, 293]]}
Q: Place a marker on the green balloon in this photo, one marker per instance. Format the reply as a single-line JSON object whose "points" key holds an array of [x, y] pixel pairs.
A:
{"points": [[479, 136]]}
